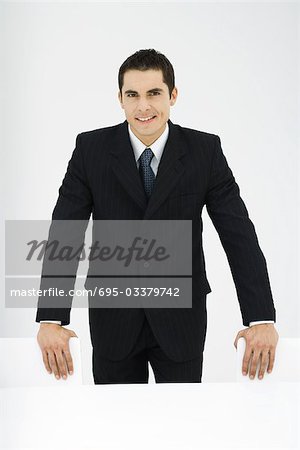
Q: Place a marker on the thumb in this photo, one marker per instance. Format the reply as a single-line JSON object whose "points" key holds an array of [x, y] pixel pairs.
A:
{"points": [[72, 333], [240, 334]]}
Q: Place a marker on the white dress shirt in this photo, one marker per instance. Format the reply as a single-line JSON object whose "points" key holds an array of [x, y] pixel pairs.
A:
{"points": [[157, 148]]}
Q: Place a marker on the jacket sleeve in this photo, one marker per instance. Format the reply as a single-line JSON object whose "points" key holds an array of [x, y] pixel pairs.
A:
{"points": [[69, 221], [237, 234]]}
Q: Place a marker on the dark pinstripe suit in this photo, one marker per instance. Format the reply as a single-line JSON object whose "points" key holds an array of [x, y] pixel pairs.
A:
{"points": [[102, 178]]}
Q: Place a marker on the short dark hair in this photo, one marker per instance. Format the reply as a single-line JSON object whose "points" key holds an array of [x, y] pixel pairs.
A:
{"points": [[145, 60]]}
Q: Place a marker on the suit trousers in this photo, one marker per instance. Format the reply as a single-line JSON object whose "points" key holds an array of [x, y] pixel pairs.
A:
{"points": [[134, 368]]}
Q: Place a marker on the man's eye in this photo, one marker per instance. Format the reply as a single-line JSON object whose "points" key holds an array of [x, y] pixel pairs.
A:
{"points": [[150, 93]]}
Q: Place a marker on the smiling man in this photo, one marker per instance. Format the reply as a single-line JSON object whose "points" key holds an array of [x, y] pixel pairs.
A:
{"points": [[149, 168]]}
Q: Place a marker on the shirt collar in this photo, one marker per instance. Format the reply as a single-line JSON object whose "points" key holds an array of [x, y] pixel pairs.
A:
{"points": [[157, 147]]}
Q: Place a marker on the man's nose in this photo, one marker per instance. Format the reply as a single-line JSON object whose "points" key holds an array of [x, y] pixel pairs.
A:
{"points": [[143, 104]]}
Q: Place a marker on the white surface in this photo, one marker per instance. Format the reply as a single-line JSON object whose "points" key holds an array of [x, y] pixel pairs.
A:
{"points": [[24, 364], [162, 416], [286, 365]]}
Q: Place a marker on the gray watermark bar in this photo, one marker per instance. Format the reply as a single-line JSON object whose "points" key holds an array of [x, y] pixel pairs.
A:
{"points": [[128, 263]]}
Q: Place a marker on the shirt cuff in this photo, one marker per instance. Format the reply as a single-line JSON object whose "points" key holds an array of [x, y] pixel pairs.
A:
{"points": [[260, 321], [51, 321]]}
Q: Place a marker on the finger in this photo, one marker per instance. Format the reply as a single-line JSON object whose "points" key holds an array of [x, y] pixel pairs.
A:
{"points": [[254, 363], [246, 359], [61, 363], [263, 364], [46, 362], [53, 363], [271, 360], [69, 360]]}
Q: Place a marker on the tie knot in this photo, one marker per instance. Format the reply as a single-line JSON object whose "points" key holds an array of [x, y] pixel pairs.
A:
{"points": [[146, 157]]}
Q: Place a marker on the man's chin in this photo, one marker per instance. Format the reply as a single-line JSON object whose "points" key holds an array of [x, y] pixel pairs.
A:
{"points": [[143, 131], [146, 130]]}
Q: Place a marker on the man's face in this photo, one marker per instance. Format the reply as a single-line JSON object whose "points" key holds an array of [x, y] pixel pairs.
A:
{"points": [[144, 96]]}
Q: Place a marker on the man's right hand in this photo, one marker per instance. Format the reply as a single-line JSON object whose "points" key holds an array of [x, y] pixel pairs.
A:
{"points": [[53, 340]]}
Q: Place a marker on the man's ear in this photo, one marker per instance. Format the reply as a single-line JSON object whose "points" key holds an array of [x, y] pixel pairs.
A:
{"points": [[120, 99], [174, 95]]}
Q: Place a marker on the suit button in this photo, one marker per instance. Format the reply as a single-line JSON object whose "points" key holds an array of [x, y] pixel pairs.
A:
{"points": [[146, 264]]}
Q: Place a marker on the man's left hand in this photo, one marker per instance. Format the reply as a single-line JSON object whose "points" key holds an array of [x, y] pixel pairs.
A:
{"points": [[261, 340]]}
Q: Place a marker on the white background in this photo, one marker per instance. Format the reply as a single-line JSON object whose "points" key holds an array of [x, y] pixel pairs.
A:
{"points": [[236, 72]]}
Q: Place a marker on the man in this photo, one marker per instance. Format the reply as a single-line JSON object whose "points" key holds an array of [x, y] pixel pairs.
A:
{"points": [[149, 168]]}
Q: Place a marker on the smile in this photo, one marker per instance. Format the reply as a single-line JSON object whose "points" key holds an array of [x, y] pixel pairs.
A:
{"points": [[145, 119]]}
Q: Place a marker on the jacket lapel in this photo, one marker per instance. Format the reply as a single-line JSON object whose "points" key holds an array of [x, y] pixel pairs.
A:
{"points": [[170, 168], [124, 165]]}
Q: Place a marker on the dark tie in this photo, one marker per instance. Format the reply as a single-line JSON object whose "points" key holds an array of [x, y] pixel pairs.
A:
{"points": [[146, 171]]}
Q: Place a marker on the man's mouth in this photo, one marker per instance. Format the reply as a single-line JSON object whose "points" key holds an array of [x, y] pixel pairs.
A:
{"points": [[145, 119]]}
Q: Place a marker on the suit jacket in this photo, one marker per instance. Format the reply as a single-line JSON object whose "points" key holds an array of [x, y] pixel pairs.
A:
{"points": [[102, 178]]}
